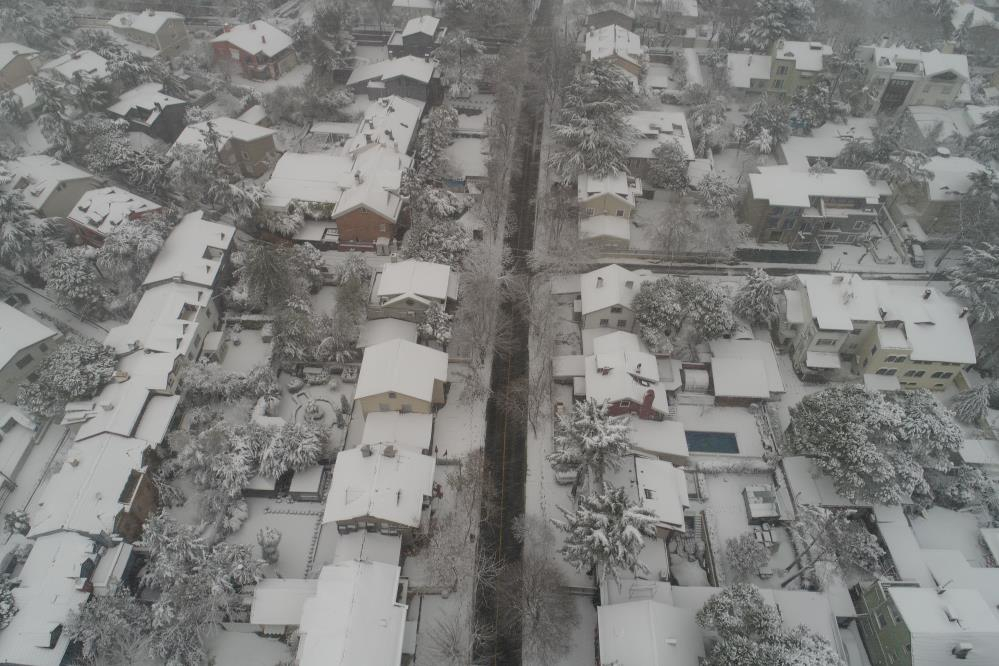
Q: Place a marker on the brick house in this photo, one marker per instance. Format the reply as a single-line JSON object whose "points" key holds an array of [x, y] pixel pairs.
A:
{"points": [[261, 50]]}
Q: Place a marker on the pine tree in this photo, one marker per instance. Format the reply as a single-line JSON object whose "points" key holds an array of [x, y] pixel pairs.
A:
{"points": [[756, 301], [442, 242], [460, 57], [72, 280], [591, 441], [77, 369], [835, 538], [715, 195], [112, 630], [668, 167], [971, 406], [436, 324], [709, 309], [16, 232], [775, 20], [606, 532], [739, 610], [976, 279]]}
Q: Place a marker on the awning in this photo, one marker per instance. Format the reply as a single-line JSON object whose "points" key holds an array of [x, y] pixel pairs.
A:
{"points": [[822, 360]]}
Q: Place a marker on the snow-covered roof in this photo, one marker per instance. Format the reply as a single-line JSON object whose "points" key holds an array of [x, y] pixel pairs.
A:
{"points": [[612, 40], [146, 100], [375, 331], [129, 409], [279, 601], [84, 63], [163, 321], [11, 50], [979, 17], [149, 21], [810, 485], [85, 494], [927, 614], [106, 208], [50, 589], [108, 575], [391, 121], [657, 127], [308, 177], [371, 195], [369, 546], [354, 617], [976, 113], [933, 62], [409, 431], [617, 184], [743, 68], [648, 633], [605, 226], [414, 4], [412, 278], [980, 452], [877, 382], [784, 186], [256, 37], [609, 286], [951, 568], [807, 56], [26, 93], [932, 322], [662, 488], [380, 482], [401, 367], [760, 350], [418, 69], [989, 537], [227, 128], [659, 438], [192, 252], [951, 177], [37, 177], [901, 544], [18, 434], [838, 300], [426, 25], [467, 157], [739, 378], [18, 331], [825, 142], [621, 369], [952, 122]]}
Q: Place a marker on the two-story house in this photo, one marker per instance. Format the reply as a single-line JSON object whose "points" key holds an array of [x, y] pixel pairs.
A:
{"points": [[260, 50], [623, 374], [149, 110], [842, 323], [404, 290], [196, 253], [616, 45], [789, 66], [609, 195], [163, 32], [898, 77], [606, 295], [408, 76], [101, 211], [938, 203], [380, 488], [24, 344], [654, 129], [249, 148], [18, 64], [419, 37], [401, 376], [50, 187], [784, 205]]}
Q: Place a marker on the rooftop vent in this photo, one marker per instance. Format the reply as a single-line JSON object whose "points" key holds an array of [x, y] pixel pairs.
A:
{"points": [[366, 450], [951, 613]]}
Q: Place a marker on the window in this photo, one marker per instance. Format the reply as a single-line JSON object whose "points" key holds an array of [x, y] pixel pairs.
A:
{"points": [[942, 375], [779, 84], [24, 361], [887, 372], [859, 225], [405, 408], [605, 322], [650, 494], [825, 342], [622, 323], [392, 395], [914, 373], [589, 212], [894, 359], [782, 70], [630, 284], [616, 309], [625, 403], [620, 213]]}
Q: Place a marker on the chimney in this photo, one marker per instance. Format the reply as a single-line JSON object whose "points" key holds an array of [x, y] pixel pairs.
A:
{"points": [[600, 282], [962, 650], [646, 411], [389, 451], [638, 369], [152, 12], [926, 294], [357, 177], [263, 39], [388, 133], [883, 313], [964, 312], [253, 26], [366, 450], [226, 27]]}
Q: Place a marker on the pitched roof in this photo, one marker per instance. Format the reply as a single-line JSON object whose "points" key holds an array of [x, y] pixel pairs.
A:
{"points": [[10, 50], [147, 99], [401, 367], [951, 176], [784, 186], [410, 278], [78, 62], [418, 69], [106, 208], [18, 331], [613, 40], [743, 68], [380, 482], [354, 617], [621, 369], [162, 321], [391, 121], [662, 488], [38, 176], [807, 56], [256, 37], [186, 256], [311, 177], [658, 127], [148, 21], [228, 128], [927, 613], [426, 25], [616, 184], [406, 430], [934, 62], [608, 286], [648, 633]]}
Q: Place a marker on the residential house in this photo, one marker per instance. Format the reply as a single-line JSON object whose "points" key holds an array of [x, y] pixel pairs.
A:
{"points": [[17, 434], [358, 616], [824, 143], [917, 334], [196, 253], [249, 148], [24, 344], [899, 77], [936, 205], [661, 487], [610, 195], [784, 205], [607, 233], [379, 487], [616, 45], [52, 583], [918, 626], [163, 32], [18, 64], [148, 110], [648, 632], [983, 28], [411, 9], [744, 371], [605, 297], [419, 37], [790, 65], [50, 187], [412, 432], [391, 122], [101, 211], [102, 490], [404, 290], [77, 65], [261, 50], [601, 14], [621, 372], [399, 376], [408, 76], [654, 129], [931, 126]]}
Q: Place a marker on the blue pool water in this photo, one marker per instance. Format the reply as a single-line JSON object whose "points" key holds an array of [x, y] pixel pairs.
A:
{"points": [[711, 442]]}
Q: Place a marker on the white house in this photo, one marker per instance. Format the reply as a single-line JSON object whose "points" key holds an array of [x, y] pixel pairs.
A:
{"points": [[196, 253], [50, 187], [390, 121], [662, 488], [899, 77], [400, 376], [24, 344], [648, 633], [77, 64], [606, 295], [406, 289], [412, 432], [101, 211]]}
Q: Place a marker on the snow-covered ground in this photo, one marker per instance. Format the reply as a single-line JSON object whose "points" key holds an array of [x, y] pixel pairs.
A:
{"points": [[459, 426], [298, 523], [234, 648], [955, 530]]}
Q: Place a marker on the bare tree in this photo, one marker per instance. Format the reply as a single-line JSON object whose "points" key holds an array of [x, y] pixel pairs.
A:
{"points": [[455, 637]]}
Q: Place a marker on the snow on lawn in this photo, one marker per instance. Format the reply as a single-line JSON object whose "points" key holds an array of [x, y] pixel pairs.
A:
{"points": [[430, 611], [324, 301], [233, 648], [738, 420], [298, 523], [582, 646], [248, 354], [189, 512], [794, 389], [293, 79], [736, 165], [459, 426], [953, 530]]}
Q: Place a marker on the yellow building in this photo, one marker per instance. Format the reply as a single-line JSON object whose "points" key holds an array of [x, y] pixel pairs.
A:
{"points": [[401, 376], [611, 195]]}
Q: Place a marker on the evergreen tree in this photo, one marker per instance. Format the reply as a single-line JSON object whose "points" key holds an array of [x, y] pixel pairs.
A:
{"points": [[75, 370], [436, 324], [756, 299], [972, 405], [353, 268], [112, 630], [588, 439], [606, 532], [668, 167], [715, 195], [460, 57], [983, 143], [835, 538], [17, 232], [745, 555], [976, 279], [443, 242], [739, 610], [295, 447], [775, 20]]}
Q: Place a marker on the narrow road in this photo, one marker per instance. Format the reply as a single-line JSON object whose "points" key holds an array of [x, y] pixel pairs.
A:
{"points": [[506, 433]]}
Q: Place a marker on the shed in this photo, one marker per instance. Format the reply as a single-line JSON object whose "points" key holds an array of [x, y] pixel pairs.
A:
{"points": [[306, 484], [739, 381]]}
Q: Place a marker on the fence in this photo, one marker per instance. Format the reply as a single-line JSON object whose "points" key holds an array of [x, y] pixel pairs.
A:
{"points": [[808, 255]]}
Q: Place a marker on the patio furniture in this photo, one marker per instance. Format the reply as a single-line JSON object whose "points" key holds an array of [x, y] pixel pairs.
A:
{"points": [[295, 384], [765, 572]]}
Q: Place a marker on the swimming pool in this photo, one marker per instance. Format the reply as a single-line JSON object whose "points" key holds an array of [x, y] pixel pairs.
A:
{"points": [[711, 442]]}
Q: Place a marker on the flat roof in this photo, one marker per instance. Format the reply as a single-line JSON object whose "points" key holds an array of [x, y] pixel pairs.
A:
{"points": [[740, 378], [279, 601], [783, 186]]}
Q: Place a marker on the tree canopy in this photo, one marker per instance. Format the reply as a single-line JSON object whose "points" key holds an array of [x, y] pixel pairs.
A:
{"points": [[75, 370]]}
